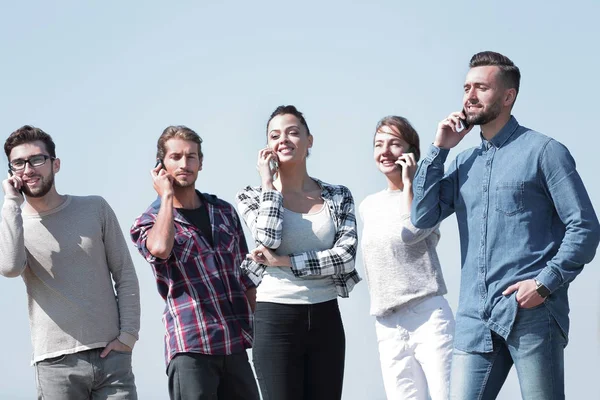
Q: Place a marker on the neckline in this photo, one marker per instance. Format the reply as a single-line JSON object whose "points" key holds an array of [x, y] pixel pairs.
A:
{"points": [[56, 209], [309, 213]]}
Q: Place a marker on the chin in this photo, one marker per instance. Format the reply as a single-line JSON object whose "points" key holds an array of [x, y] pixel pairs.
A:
{"points": [[183, 184], [389, 170]]}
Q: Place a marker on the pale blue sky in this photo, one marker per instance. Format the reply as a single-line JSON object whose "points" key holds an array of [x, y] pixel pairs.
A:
{"points": [[105, 78]]}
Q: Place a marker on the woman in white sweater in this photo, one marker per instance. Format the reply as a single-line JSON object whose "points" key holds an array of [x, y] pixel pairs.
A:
{"points": [[414, 322]]}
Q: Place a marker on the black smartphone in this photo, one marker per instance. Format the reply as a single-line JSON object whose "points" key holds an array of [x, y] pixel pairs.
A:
{"points": [[11, 174], [161, 163], [464, 125]]}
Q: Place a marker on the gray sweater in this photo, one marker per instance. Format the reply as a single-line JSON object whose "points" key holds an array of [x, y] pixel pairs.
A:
{"points": [[68, 258], [400, 261]]}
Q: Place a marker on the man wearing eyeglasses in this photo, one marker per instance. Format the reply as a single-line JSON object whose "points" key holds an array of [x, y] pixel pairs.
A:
{"points": [[72, 256]]}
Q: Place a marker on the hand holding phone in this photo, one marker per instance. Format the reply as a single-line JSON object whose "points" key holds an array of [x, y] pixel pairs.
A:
{"points": [[407, 164], [451, 130], [411, 149], [162, 182], [267, 166], [14, 183]]}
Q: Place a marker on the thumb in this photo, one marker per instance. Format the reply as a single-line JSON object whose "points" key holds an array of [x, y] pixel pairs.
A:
{"points": [[105, 351], [511, 289]]}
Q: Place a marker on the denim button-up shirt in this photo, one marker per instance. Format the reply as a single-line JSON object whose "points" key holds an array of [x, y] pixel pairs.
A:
{"points": [[523, 213]]}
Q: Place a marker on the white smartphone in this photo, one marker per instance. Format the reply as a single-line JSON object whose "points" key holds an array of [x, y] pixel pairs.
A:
{"points": [[273, 165]]}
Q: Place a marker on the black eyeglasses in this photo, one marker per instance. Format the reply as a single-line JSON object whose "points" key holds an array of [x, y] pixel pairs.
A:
{"points": [[35, 161]]}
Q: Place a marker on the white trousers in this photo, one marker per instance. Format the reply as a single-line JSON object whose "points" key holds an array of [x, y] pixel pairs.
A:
{"points": [[415, 350]]}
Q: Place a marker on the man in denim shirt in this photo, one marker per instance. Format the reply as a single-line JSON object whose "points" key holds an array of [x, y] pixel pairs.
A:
{"points": [[527, 227]]}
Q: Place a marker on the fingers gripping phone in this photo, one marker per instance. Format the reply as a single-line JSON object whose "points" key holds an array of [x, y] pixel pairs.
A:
{"points": [[160, 162], [411, 149], [11, 174]]}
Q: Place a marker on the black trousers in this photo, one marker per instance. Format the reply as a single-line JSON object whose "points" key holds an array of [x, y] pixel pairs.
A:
{"points": [[194, 376], [299, 351]]}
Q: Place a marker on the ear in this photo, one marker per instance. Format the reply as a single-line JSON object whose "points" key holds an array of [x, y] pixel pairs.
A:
{"points": [[56, 165], [509, 96], [310, 141]]}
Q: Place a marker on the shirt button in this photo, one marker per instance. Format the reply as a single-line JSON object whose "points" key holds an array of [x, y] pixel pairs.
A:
{"points": [[485, 188], [484, 215]]}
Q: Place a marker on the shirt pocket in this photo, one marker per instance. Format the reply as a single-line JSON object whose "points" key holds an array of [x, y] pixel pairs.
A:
{"points": [[509, 197], [227, 238], [183, 246]]}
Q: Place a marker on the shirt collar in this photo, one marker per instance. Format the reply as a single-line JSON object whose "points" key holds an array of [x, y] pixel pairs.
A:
{"points": [[502, 136], [206, 199]]}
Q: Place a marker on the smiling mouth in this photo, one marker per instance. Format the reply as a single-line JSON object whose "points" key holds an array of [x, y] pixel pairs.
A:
{"points": [[388, 162]]}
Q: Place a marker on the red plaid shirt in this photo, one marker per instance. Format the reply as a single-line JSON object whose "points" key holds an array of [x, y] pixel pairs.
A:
{"points": [[204, 289]]}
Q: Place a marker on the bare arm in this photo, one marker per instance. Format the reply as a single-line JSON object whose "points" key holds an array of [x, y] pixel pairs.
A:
{"points": [[162, 235]]}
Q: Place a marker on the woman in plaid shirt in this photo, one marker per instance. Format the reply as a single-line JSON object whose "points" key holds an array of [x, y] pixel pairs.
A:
{"points": [[305, 232]]}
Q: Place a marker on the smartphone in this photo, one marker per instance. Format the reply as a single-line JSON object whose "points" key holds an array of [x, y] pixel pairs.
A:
{"points": [[11, 174], [273, 165], [463, 123], [160, 162]]}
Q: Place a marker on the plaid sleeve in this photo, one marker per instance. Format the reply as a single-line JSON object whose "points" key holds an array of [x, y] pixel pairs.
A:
{"points": [[252, 271], [263, 214], [245, 281], [139, 235], [339, 259]]}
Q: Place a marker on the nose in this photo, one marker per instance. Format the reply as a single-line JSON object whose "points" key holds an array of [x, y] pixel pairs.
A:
{"points": [[387, 150], [282, 139], [471, 96], [28, 169]]}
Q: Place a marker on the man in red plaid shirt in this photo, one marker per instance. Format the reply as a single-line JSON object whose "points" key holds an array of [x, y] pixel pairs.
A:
{"points": [[195, 245]]}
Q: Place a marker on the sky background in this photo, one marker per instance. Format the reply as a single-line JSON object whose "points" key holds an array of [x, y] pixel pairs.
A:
{"points": [[105, 78]]}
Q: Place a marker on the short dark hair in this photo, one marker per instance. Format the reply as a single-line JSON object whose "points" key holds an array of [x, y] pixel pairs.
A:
{"points": [[28, 134], [406, 130], [177, 132], [282, 110], [509, 72]]}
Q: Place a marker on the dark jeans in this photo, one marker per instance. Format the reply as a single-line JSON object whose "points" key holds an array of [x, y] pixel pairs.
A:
{"points": [[194, 376], [299, 351]]}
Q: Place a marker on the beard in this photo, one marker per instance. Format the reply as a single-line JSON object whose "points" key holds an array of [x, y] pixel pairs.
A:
{"points": [[43, 189], [176, 183], [183, 184], [486, 116]]}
